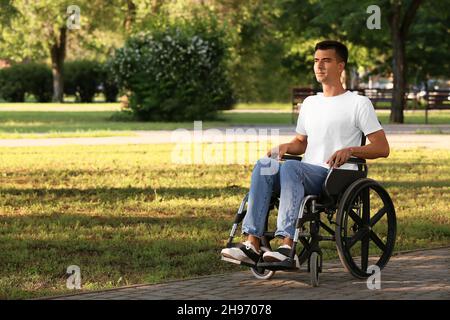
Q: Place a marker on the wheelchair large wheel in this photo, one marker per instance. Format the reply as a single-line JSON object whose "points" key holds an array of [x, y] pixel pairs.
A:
{"points": [[365, 227]]}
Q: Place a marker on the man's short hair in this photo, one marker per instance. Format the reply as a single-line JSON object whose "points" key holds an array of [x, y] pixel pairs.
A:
{"points": [[340, 49]]}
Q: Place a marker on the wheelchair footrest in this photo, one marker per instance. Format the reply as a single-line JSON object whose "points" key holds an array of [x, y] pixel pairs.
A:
{"points": [[288, 264], [236, 261]]}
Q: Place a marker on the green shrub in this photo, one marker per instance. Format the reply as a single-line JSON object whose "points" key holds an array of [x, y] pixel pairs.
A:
{"points": [[85, 78], [175, 72], [109, 85], [11, 85], [38, 81], [82, 78], [26, 78]]}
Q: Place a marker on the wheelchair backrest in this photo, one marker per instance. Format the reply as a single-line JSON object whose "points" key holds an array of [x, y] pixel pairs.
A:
{"points": [[338, 180]]}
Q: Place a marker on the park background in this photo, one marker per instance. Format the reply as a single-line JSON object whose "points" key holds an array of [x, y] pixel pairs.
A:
{"points": [[127, 213]]}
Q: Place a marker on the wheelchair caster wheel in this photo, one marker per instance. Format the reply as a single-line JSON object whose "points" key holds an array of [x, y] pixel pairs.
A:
{"points": [[262, 274], [314, 265]]}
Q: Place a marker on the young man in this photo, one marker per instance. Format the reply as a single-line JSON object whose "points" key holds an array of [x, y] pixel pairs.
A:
{"points": [[328, 130]]}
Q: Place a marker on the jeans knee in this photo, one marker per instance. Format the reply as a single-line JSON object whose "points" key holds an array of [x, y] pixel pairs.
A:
{"points": [[267, 166], [291, 167], [264, 162]]}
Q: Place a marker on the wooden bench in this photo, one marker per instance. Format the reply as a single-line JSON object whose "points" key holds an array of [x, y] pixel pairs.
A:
{"points": [[436, 100], [379, 95], [298, 95]]}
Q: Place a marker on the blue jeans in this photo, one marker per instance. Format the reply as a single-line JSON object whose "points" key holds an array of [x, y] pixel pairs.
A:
{"points": [[291, 181]]}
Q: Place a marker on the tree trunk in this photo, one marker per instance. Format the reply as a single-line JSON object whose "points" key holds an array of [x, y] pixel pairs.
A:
{"points": [[399, 32], [398, 68], [58, 54], [130, 16], [156, 6]]}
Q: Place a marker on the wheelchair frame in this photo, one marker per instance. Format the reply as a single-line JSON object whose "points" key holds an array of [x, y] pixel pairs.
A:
{"points": [[342, 192]]}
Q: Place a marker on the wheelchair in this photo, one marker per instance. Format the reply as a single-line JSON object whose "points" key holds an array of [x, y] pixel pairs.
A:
{"points": [[359, 208]]}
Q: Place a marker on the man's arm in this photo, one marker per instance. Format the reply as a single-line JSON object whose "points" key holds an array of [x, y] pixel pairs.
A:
{"points": [[296, 146], [377, 148]]}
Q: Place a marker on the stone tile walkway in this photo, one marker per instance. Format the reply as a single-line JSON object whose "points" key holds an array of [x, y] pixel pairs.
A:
{"points": [[423, 274]]}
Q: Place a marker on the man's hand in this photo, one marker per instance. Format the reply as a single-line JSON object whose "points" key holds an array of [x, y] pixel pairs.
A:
{"points": [[340, 157], [278, 151]]}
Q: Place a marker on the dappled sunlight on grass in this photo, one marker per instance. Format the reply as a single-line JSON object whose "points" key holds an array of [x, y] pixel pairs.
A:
{"points": [[127, 214]]}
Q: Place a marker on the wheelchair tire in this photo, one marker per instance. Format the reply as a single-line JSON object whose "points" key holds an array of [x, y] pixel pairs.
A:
{"points": [[314, 267], [262, 274], [358, 244]]}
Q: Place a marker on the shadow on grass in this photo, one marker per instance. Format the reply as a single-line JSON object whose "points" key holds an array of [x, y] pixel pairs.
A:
{"points": [[415, 185], [113, 195], [67, 221]]}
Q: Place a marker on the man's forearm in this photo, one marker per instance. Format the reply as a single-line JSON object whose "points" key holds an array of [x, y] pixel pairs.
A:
{"points": [[370, 151], [296, 146]]}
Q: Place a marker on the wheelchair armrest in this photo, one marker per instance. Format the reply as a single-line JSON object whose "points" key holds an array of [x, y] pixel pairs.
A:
{"points": [[299, 158], [356, 160], [291, 157]]}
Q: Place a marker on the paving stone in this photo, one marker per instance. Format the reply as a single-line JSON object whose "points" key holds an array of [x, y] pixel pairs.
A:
{"points": [[421, 274]]}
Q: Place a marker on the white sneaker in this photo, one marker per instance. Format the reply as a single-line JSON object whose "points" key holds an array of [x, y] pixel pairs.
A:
{"points": [[279, 255], [245, 252]]}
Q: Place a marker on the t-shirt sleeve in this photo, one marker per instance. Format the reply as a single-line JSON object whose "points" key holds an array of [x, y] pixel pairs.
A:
{"points": [[366, 119], [300, 129]]}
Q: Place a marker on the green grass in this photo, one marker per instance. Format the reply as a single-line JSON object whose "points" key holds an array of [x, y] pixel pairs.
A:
{"points": [[13, 123], [73, 134], [35, 106], [264, 106], [95, 120], [128, 215]]}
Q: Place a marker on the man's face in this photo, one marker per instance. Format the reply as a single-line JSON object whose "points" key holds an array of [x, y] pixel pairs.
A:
{"points": [[327, 66]]}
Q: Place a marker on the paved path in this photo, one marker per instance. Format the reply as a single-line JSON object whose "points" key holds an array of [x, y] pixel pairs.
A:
{"points": [[399, 136], [421, 274]]}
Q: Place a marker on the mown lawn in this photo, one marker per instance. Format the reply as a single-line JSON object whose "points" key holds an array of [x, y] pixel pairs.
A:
{"points": [[97, 120], [128, 214]]}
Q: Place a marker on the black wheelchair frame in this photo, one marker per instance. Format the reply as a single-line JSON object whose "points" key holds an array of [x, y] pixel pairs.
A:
{"points": [[346, 200]]}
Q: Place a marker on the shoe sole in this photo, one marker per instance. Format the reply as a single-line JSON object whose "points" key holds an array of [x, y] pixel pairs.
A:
{"points": [[273, 259], [240, 258]]}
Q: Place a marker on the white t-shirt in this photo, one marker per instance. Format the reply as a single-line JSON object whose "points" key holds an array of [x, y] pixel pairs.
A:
{"points": [[334, 123]]}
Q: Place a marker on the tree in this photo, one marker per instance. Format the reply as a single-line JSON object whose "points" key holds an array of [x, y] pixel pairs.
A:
{"points": [[346, 21], [428, 54], [38, 29], [7, 12]]}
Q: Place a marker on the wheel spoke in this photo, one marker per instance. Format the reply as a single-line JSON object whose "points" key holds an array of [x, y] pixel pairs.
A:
{"points": [[356, 218], [378, 216], [358, 236], [377, 241], [364, 253], [366, 206]]}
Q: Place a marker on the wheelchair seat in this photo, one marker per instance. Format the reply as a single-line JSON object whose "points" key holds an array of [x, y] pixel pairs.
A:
{"points": [[337, 181]]}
